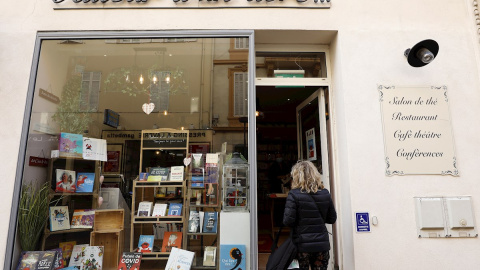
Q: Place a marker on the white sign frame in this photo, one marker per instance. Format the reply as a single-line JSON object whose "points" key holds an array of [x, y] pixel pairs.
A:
{"points": [[417, 130]]}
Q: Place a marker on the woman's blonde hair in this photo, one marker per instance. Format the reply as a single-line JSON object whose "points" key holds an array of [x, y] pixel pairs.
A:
{"points": [[306, 177]]}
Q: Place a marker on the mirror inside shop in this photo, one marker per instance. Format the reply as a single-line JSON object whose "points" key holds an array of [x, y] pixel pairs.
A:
{"points": [[136, 156]]}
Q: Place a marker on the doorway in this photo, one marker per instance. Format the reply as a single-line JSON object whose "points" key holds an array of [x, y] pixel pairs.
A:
{"points": [[289, 128]]}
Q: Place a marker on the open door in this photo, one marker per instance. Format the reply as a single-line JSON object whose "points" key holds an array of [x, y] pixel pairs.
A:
{"points": [[312, 142]]}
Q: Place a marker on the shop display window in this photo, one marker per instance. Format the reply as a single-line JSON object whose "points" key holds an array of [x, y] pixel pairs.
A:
{"points": [[139, 131]]}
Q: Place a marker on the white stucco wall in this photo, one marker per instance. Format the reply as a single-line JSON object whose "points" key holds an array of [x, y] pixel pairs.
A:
{"points": [[367, 51]]}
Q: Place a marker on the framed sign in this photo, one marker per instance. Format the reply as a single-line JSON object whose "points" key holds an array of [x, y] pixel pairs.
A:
{"points": [[113, 165], [417, 131], [311, 149]]}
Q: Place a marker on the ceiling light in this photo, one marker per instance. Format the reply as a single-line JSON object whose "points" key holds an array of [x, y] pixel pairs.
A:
{"points": [[140, 80], [154, 79]]}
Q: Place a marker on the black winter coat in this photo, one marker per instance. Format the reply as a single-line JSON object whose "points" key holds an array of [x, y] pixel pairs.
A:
{"points": [[307, 223]]}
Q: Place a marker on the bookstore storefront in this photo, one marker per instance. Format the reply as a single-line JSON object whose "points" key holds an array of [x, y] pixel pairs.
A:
{"points": [[139, 142]]}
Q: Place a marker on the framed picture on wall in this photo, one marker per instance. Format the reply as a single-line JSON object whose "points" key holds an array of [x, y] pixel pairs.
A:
{"points": [[113, 165]]}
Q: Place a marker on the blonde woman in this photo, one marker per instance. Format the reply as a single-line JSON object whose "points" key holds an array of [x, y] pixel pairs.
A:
{"points": [[308, 207]]}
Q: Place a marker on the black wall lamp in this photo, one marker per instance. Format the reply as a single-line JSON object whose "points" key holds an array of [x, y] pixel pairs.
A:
{"points": [[422, 53]]}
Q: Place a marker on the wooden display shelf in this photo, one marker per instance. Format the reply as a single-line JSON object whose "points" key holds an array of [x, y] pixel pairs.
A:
{"points": [[167, 219], [53, 194], [48, 232], [140, 184], [155, 255], [200, 233]]}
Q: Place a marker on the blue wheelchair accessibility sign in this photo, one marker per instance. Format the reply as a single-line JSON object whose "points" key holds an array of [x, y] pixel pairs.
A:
{"points": [[363, 222]]}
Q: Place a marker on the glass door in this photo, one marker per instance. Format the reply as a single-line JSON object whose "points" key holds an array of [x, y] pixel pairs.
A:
{"points": [[312, 142]]}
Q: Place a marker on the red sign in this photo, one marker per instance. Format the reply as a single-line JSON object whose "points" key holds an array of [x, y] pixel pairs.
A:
{"points": [[38, 161]]}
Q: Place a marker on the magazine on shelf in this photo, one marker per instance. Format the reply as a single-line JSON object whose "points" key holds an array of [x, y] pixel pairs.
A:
{"points": [[159, 210], [58, 261], [180, 259], [76, 257], [67, 248], [210, 222], [158, 174], [145, 243], [59, 218], [130, 261], [82, 218], [70, 145], [176, 173], [232, 257], [92, 259], [65, 181], [144, 209], [210, 256], [175, 209], [170, 240], [85, 181], [194, 222]]}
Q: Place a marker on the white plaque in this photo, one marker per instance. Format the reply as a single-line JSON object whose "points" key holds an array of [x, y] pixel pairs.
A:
{"points": [[417, 131]]}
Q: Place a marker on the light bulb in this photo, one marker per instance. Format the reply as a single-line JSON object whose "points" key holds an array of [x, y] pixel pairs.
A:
{"points": [[127, 79], [183, 128], [167, 78], [157, 152], [141, 79], [257, 113], [154, 79], [165, 112]]}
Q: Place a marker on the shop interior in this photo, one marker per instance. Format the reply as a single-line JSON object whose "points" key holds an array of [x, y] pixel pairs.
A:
{"points": [[102, 90]]}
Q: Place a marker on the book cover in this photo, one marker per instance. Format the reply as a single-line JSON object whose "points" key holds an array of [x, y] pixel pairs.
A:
{"points": [[143, 176], [232, 257], [70, 145], [197, 181], [85, 181], [210, 222], [46, 260], [202, 216], [158, 174], [159, 210], [145, 243], [65, 181], [28, 260], [197, 162], [144, 209], [77, 254], [67, 248], [82, 218], [170, 240], [194, 221], [176, 173], [59, 218], [180, 259], [209, 256], [58, 261], [95, 149], [175, 209], [130, 261], [92, 259]]}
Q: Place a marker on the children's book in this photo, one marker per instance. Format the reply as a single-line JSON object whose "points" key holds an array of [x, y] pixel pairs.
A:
{"points": [[171, 239], [67, 248], [144, 209], [82, 218], [232, 257], [175, 209], [159, 210], [92, 259], [77, 254], [145, 243], [130, 261], [180, 259], [210, 222], [158, 174], [70, 145], [59, 218], [46, 260], [209, 256], [194, 221], [65, 181], [176, 173], [85, 181], [58, 261]]}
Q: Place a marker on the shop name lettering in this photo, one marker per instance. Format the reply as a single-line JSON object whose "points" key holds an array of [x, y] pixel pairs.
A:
{"points": [[156, 135], [417, 134]]}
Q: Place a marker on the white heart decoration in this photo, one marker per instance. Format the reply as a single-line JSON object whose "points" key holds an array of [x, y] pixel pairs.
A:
{"points": [[148, 107], [100, 201], [187, 161]]}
